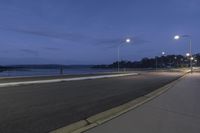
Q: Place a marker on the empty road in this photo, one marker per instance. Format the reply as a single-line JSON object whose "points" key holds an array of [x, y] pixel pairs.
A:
{"points": [[40, 108]]}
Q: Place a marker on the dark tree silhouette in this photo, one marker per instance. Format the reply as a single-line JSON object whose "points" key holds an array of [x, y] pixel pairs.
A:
{"points": [[168, 61]]}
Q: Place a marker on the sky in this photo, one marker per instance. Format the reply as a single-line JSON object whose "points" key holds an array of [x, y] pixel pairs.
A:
{"points": [[90, 31]]}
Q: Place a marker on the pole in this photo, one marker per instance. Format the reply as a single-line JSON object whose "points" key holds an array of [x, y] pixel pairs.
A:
{"points": [[127, 41], [118, 58], [156, 63], [191, 55]]}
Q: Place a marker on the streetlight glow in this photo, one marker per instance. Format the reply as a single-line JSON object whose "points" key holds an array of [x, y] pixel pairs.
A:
{"points": [[128, 40], [176, 37], [187, 54]]}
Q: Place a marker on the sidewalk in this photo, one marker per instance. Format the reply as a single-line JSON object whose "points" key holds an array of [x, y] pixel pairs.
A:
{"points": [[176, 111]]}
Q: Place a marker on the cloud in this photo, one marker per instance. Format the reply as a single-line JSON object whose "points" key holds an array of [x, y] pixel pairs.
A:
{"points": [[79, 38], [29, 51], [51, 48], [74, 37], [115, 42]]}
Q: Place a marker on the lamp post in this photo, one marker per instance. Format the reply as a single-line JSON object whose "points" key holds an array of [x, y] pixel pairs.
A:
{"points": [[163, 54], [176, 64], [177, 37], [188, 56], [128, 40], [196, 61]]}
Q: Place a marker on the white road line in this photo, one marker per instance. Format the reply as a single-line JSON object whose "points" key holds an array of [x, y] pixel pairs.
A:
{"points": [[65, 80]]}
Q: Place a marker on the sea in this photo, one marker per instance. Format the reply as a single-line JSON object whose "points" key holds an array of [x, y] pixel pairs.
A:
{"points": [[52, 72]]}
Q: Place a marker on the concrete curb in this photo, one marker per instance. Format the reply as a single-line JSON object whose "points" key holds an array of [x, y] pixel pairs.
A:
{"points": [[110, 114]]}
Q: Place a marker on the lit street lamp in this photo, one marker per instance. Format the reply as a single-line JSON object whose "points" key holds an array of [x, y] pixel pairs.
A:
{"points": [[175, 62], [163, 53], [196, 61], [177, 37], [128, 40], [187, 54]]}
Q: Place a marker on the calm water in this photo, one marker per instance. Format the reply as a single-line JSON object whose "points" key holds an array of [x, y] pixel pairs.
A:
{"points": [[38, 72]]}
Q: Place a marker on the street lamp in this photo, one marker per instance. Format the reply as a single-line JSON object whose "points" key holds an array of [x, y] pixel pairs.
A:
{"points": [[128, 40], [196, 61], [177, 37], [156, 58], [175, 62], [187, 54]]}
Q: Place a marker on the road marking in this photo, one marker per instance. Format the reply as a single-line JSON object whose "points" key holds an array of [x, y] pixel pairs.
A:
{"points": [[64, 80]]}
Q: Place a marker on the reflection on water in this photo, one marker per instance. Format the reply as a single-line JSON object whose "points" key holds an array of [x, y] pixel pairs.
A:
{"points": [[38, 72]]}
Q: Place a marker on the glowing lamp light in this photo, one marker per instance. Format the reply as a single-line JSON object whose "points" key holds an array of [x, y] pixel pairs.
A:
{"points": [[188, 54], [176, 37], [128, 40]]}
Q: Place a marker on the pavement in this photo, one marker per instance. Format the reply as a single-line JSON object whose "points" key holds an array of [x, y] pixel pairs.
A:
{"points": [[176, 111], [40, 108]]}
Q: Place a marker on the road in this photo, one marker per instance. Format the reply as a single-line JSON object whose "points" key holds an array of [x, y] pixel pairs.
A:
{"points": [[40, 108], [35, 78], [176, 111]]}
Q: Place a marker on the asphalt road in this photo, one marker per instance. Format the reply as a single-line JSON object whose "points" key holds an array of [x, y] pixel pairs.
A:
{"points": [[42, 108], [35, 78]]}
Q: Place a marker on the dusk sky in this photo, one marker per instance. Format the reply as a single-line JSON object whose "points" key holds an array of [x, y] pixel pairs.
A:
{"points": [[89, 31]]}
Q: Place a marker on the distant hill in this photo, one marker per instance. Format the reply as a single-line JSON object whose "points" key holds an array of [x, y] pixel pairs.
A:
{"points": [[47, 66], [4, 68], [42, 66]]}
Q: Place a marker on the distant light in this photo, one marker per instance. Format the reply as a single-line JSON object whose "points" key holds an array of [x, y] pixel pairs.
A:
{"points": [[187, 54], [192, 58], [176, 37], [195, 60], [163, 53], [128, 40]]}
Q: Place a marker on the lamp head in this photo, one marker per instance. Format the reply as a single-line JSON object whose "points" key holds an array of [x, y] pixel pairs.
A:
{"points": [[177, 37], [128, 40], [187, 54]]}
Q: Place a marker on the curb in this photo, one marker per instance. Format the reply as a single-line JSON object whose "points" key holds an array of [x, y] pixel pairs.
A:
{"points": [[98, 119]]}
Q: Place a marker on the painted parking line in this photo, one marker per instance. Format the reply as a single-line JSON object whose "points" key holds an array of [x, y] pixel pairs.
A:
{"points": [[64, 80]]}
